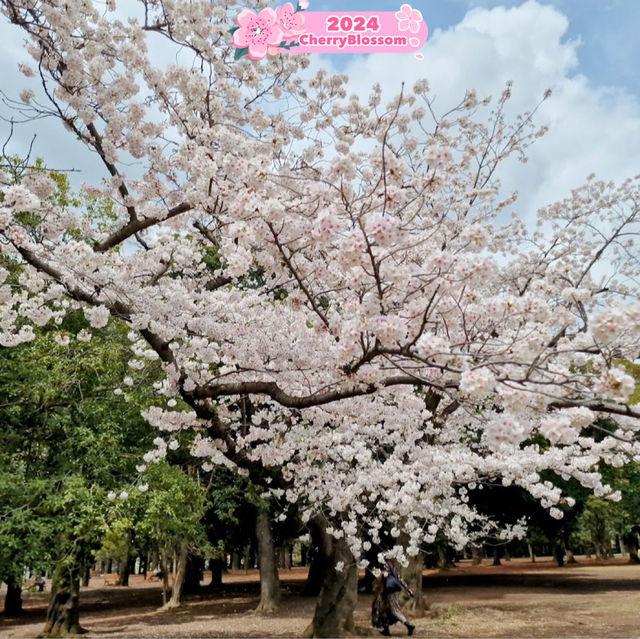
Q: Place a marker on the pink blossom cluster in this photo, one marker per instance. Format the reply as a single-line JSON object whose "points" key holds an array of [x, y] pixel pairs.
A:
{"points": [[326, 228], [616, 384], [478, 383], [384, 229], [390, 330], [559, 429], [612, 323], [504, 430], [438, 156]]}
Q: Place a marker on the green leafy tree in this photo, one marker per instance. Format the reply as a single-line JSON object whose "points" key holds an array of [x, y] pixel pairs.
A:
{"points": [[170, 518], [67, 440]]}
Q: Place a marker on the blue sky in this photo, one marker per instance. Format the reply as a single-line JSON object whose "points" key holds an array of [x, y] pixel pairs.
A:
{"points": [[587, 52], [609, 53]]}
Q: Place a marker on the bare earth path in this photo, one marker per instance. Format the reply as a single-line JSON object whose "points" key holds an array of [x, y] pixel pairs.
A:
{"points": [[518, 599]]}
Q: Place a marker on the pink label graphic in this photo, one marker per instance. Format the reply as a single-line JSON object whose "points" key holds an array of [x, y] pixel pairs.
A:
{"points": [[289, 30]]}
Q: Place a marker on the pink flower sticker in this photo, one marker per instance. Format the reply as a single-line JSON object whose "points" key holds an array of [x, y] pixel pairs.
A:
{"points": [[258, 32], [291, 23], [408, 19]]}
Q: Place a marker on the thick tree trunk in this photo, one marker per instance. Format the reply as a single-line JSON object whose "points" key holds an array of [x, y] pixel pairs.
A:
{"points": [[246, 556], [444, 561], [86, 575], [631, 541], [13, 598], [144, 564], [414, 606], [558, 554], [164, 569], [633, 554], [318, 553], [217, 566], [63, 614], [365, 584], [286, 556], [193, 575], [235, 560], [476, 555], [532, 554], [123, 572], [269, 580], [333, 615], [496, 557], [178, 577]]}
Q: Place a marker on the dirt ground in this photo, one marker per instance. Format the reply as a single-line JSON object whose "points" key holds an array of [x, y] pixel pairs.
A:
{"points": [[518, 599]]}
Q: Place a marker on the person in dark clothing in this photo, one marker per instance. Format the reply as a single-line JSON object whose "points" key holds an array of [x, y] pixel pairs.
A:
{"points": [[385, 610]]}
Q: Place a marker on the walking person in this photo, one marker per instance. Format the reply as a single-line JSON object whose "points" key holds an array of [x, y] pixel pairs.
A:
{"points": [[385, 610]]}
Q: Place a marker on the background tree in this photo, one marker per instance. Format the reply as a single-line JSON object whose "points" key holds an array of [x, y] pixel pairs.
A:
{"points": [[67, 440], [173, 511]]}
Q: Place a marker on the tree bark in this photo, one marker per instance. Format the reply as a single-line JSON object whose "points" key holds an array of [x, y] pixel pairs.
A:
{"points": [[415, 606], [246, 555], [333, 615], [496, 556], [558, 554], [476, 555], [164, 569], [86, 575], [633, 554], [144, 564], [178, 577], [13, 598], [444, 561], [318, 553], [123, 572], [193, 576], [631, 542], [63, 613], [532, 554], [286, 556], [269, 580], [217, 566]]}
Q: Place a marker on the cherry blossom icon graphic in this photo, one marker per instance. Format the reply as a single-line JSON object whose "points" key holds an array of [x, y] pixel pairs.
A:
{"points": [[409, 19]]}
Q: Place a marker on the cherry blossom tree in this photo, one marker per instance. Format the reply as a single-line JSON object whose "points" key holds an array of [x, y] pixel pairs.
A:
{"points": [[347, 267]]}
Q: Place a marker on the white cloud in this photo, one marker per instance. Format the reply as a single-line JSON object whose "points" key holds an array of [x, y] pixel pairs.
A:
{"points": [[592, 129]]}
